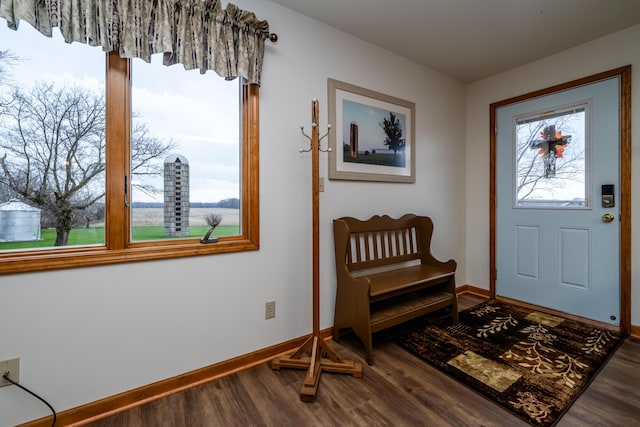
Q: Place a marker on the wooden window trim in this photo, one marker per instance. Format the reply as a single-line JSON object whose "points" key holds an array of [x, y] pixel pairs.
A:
{"points": [[118, 248]]}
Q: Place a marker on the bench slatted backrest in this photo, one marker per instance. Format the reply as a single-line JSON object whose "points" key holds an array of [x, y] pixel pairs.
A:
{"points": [[381, 240]]}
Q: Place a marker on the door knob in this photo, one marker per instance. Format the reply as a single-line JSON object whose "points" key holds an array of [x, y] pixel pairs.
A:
{"points": [[608, 217]]}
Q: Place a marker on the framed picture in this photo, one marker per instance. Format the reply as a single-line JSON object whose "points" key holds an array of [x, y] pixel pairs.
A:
{"points": [[372, 136]]}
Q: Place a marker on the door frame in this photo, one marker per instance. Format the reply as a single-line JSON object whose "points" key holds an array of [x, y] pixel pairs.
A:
{"points": [[624, 73]]}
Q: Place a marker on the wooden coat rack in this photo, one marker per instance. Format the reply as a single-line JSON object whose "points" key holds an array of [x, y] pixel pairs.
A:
{"points": [[315, 354]]}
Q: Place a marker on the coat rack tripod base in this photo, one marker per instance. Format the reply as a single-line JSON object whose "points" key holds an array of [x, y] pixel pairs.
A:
{"points": [[323, 359], [315, 354]]}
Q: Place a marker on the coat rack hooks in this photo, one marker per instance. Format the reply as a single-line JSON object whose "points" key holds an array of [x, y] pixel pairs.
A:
{"points": [[313, 126]]}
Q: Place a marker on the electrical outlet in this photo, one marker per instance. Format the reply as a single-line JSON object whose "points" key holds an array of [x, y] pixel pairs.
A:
{"points": [[269, 309], [13, 367]]}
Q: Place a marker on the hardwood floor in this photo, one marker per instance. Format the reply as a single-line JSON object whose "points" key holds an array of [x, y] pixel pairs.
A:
{"points": [[398, 390]]}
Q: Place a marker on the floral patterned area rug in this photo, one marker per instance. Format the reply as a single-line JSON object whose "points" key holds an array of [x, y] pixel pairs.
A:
{"points": [[534, 364]]}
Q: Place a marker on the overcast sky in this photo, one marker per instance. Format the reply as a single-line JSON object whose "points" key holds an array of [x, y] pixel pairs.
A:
{"points": [[184, 106]]}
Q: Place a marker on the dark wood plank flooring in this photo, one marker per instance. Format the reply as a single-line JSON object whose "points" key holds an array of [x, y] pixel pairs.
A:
{"points": [[398, 390]]}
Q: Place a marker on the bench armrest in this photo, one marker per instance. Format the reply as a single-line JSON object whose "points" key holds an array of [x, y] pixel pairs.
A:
{"points": [[426, 232]]}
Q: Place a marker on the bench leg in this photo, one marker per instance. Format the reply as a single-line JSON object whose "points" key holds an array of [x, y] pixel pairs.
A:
{"points": [[363, 332], [368, 350], [335, 334], [454, 308]]}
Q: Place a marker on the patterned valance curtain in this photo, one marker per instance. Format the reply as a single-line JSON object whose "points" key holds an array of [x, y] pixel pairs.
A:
{"points": [[199, 34]]}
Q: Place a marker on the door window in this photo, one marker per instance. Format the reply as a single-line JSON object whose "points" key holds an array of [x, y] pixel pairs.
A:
{"points": [[551, 157]]}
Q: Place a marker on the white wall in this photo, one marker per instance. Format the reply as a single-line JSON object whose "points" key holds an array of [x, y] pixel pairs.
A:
{"points": [[88, 333], [613, 51]]}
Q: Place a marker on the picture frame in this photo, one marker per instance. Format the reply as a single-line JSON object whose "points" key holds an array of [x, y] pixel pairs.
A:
{"points": [[372, 136]]}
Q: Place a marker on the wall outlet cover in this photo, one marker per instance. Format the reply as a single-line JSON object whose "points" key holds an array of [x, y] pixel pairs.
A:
{"points": [[269, 309], [13, 367]]}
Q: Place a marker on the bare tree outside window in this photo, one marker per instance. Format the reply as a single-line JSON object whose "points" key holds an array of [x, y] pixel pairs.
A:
{"points": [[7, 59], [53, 152]]}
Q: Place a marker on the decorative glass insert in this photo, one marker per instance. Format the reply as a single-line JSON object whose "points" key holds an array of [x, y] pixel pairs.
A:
{"points": [[551, 153]]}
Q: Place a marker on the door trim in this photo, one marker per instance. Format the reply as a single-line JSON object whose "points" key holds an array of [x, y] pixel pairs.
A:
{"points": [[624, 73]]}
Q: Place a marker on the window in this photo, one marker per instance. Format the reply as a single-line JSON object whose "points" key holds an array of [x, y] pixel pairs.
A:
{"points": [[52, 124], [216, 147], [551, 159], [195, 172]]}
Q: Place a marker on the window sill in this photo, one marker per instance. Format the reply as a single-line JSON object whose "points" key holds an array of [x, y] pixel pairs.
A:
{"points": [[91, 256]]}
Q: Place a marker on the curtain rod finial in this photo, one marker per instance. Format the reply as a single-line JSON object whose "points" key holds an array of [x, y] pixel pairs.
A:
{"points": [[273, 37]]}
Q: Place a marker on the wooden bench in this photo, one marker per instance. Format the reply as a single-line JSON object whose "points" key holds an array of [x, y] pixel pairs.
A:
{"points": [[386, 275]]}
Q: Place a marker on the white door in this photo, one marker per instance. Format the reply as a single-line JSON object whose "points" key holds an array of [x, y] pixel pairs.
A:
{"points": [[557, 227]]}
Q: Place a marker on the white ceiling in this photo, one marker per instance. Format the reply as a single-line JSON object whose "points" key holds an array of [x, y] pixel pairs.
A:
{"points": [[473, 39]]}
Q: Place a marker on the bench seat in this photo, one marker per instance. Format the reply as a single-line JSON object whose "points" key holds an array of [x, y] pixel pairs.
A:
{"points": [[388, 283]]}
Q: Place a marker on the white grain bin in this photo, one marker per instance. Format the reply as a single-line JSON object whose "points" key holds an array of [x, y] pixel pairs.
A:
{"points": [[19, 222]]}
